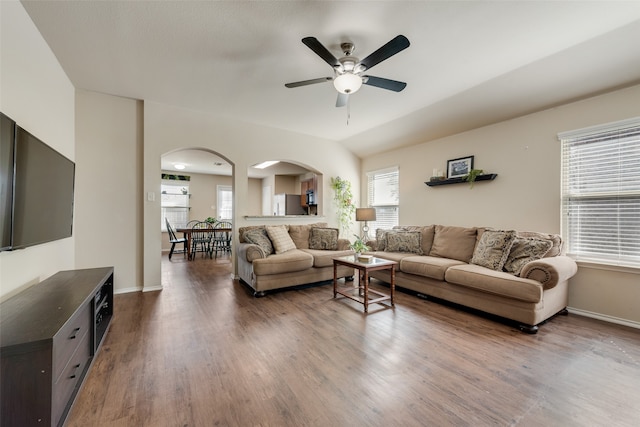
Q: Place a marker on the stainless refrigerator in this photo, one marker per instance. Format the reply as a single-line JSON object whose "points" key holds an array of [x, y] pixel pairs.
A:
{"points": [[288, 204]]}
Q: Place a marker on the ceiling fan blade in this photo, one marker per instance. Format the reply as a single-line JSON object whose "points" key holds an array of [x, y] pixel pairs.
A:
{"points": [[395, 45], [309, 82], [313, 44], [383, 83], [342, 100]]}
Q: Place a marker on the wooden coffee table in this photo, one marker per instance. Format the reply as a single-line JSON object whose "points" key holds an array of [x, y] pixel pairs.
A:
{"points": [[362, 293]]}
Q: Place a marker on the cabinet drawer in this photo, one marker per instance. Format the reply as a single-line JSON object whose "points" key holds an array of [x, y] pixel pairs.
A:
{"points": [[71, 375], [66, 341]]}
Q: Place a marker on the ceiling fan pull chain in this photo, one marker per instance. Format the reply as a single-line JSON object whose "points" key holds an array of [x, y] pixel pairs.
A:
{"points": [[348, 110]]}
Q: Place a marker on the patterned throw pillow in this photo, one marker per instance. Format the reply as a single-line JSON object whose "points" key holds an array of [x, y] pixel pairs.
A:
{"points": [[525, 250], [493, 249], [280, 238], [404, 241], [259, 237], [381, 238], [324, 238]]}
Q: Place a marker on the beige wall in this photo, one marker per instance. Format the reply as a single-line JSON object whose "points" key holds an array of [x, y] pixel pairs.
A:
{"points": [[108, 186], [167, 128], [36, 93], [525, 153]]}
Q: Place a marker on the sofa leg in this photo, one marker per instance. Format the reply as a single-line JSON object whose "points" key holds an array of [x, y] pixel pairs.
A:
{"points": [[259, 294], [348, 279], [529, 329]]}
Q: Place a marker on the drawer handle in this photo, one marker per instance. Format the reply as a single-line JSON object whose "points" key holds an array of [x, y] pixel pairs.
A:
{"points": [[74, 374], [75, 333]]}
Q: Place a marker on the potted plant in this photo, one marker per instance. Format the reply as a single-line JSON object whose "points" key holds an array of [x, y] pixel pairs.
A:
{"points": [[359, 246], [211, 220], [472, 175], [343, 199]]}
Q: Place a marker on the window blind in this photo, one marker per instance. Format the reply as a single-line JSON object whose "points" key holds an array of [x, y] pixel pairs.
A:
{"points": [[383, 195], [174, 204], [601, 193]]}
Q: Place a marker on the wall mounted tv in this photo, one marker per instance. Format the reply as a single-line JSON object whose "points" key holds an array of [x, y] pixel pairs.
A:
{"points": [[36, 189]]}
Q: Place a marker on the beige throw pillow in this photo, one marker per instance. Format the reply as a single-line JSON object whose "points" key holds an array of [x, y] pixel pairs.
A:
{"points": [[280, 238], [493, 249]]}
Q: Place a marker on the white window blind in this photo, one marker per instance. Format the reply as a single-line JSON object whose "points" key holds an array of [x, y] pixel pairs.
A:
{"points": [[174, 204], [383, 195], [225, 202], [601, 193]]}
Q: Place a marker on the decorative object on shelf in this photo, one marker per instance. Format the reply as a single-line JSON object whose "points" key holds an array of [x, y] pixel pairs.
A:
{"points": [[472, 176], [460, 180], [460, 167], [184, 190], [366, 215], [358, 246], [343, 198]]}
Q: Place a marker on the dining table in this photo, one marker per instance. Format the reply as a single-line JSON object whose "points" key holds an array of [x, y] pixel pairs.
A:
{"points": [[186, 232]]}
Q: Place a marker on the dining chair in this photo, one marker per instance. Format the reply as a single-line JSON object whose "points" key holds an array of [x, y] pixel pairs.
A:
{"points": [[201, 239], [222, 237], [174, 240]]}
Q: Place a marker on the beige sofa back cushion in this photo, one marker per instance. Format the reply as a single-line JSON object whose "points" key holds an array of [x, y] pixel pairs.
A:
{"points": [[454, 242], [300, 233]]}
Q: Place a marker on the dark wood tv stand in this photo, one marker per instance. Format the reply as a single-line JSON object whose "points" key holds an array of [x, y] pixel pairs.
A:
{"points": [[49, 334]]}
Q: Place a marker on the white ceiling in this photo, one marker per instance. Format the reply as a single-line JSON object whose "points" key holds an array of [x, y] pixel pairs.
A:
{"points": [[470, 63]]}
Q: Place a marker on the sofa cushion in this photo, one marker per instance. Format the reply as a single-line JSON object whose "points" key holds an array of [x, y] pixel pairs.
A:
{"points": [[525, 250], [323, 238], [494, 282], [453, 242], [404, 241], [493, 249], [280, 238], [287, 262], [324, 258], [427, 266], [243, 230], [391, 256], [300, 234], [259, 236], [557, 247]]}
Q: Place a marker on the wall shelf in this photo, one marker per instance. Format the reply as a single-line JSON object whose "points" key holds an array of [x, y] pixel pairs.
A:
{"points": [[485, 177]]}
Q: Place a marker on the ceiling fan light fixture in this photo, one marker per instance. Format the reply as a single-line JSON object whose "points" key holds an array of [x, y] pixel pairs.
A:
{"points": [[347, 83]]}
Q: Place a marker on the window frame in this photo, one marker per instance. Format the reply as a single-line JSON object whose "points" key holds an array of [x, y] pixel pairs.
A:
{"points": [[387, 214], [600, 193]]}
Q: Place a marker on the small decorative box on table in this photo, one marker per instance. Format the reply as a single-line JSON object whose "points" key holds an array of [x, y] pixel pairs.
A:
{"points": [[362, 293]]}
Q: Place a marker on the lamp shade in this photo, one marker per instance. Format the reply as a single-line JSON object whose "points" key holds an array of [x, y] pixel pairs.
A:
{"points": [[365, 214], [347, 83]]}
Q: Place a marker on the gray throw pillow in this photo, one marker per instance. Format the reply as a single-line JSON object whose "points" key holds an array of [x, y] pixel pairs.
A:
{"points": [[259, 237], [525, 250], [493, 249], [404, 241], [323, 238]]}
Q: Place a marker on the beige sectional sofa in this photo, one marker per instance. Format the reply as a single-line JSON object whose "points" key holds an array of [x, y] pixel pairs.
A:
{"points": [[522, 276], [275, 257]]}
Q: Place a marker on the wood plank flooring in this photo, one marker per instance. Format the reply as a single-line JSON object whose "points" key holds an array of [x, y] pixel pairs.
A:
{"points": [[204, 352]]}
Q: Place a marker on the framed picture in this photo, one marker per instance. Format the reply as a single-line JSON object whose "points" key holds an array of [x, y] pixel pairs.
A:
{"points": [[459, 167]]}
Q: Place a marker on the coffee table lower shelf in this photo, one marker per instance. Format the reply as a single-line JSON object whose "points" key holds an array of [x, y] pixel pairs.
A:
{"points": [[361, 293]]}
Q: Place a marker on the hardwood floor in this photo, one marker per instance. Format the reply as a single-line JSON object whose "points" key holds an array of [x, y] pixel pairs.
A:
{"points": [[204, 352]]}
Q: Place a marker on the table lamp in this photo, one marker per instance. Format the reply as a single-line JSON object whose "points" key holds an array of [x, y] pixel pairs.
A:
{"points": [[366, 215]]}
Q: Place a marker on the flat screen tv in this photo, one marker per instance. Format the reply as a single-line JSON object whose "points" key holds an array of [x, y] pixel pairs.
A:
{"points": [[42, 197]]}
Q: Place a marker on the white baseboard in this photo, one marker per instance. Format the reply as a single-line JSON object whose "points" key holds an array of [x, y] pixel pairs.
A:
{"points": [[127, 290], [604, 317]]}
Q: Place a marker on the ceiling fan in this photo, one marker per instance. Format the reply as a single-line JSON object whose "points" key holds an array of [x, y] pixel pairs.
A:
{"points": [[349, 71]]}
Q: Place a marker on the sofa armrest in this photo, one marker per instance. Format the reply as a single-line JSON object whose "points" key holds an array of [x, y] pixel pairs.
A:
{"points": [[550, 271], [343, 244], [250, 252]]}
